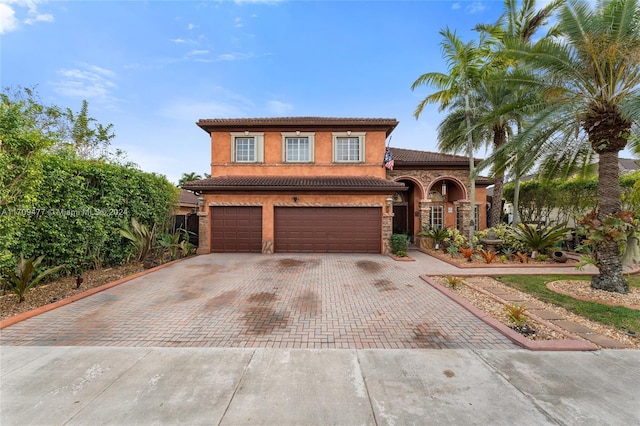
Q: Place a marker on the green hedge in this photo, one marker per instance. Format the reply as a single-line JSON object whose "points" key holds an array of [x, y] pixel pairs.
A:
{"points": [[80, 206]]}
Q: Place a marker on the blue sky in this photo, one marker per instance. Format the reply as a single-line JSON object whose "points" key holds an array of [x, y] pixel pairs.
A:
{"points": [[153, 68]]}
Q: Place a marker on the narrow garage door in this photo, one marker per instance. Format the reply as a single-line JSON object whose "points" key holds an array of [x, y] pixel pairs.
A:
{"points": [[328, 229], [236, 229]]}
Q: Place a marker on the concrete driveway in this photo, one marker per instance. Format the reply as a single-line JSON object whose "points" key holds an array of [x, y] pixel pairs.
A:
{"points": [[281, 301]]}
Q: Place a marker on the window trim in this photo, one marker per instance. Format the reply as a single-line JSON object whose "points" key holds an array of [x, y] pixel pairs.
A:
{"points": [[361, 143], [258, 138], [312, 144]]}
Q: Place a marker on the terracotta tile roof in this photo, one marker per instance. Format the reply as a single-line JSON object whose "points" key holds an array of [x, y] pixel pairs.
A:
{"points": [[299, 123], [296, 183], [410, 157], [484, 181], [188, 198]]}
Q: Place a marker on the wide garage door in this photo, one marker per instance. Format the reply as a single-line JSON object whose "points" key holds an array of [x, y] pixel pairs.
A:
{"points": [[328, 229], [236, 229]]}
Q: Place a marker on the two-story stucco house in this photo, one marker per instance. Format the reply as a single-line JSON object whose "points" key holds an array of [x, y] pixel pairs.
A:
{"points": [[316, 184]]}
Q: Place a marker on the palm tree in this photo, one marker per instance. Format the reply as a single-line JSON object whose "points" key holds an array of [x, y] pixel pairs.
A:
{"points": [[518, 22], [466, 65], [591, 77], [188, 177]]}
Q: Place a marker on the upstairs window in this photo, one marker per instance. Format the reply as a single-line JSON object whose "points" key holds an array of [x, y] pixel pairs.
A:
{"points": [[247, 148], [298, 147], [348, 147]]}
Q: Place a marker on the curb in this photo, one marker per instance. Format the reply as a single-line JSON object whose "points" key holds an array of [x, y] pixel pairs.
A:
{"points": [[51, 306], [572, 343]]}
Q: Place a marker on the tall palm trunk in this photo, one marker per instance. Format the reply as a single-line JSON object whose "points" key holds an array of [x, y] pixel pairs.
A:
{"points": [[499, 138], [472, 171], [609, 127]]}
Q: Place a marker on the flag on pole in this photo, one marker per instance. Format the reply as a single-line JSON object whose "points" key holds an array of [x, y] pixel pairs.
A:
{"points": [[388, 159]]}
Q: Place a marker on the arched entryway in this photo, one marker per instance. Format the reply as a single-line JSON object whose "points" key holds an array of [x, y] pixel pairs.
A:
{"points": [[445, 204], [406, 209]]}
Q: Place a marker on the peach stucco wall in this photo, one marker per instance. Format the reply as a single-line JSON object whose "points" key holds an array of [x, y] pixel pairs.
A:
{"points": [[322, 165]]}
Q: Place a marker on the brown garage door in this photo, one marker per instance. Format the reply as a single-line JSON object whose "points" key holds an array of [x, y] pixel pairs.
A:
{"points": [[236, 229], [327, 229]]}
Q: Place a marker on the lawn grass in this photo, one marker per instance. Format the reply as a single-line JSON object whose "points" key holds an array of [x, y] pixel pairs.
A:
{"points": [[616, 316]]}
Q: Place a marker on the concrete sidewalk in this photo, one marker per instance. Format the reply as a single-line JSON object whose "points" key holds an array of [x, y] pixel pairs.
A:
{"points": [[228, 386]]}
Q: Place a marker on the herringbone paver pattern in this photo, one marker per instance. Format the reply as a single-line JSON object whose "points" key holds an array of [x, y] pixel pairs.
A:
{"points": [[281, 301]]}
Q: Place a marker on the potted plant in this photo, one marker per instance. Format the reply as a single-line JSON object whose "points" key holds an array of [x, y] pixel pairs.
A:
{"points": [[437, 235]]}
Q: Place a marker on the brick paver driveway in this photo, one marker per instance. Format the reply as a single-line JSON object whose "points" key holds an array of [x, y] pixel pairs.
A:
{"points": [[281, 301]]}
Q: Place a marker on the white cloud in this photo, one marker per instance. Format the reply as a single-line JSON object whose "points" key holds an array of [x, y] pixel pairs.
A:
{"points": [[185, 110], [87, 81], [41, 17], [197, 52], [177, 40], [11, 9], [8, 20], [234, 56], [455, 6], [191, 26], [238, 23], [475, 7], [257, 1], [279, 108]]}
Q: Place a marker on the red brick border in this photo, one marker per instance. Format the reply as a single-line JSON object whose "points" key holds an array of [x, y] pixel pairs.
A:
{"points": [[51, 306], [572, 343]]}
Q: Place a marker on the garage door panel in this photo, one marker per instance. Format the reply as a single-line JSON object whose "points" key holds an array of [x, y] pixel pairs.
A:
{"points": [[236, 229], [328, 229]]}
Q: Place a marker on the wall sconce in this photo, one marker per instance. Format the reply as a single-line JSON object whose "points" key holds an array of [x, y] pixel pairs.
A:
{"points": [[246, 133], [348, 132], [200, 203], [297, 132], [444, 187], [295, 199], [389, 202]]}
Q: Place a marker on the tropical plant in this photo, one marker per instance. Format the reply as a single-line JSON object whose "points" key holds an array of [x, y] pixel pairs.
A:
{"points": [[467, 67], [186, 248], [141, 237], [522, 257], [170, 244], [516, 314], [20, 281], [454, 282], [468, 253], [590, 78], [488, 255], [538, 239]]}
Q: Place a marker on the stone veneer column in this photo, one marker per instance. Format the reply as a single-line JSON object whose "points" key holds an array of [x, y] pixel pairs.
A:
{"points": [[203, 233], [425, 218], [465, 206], [387, 231]]}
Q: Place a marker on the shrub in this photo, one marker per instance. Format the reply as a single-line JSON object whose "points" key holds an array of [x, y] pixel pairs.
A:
{"points": [[399, 245], [82, 205]]}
